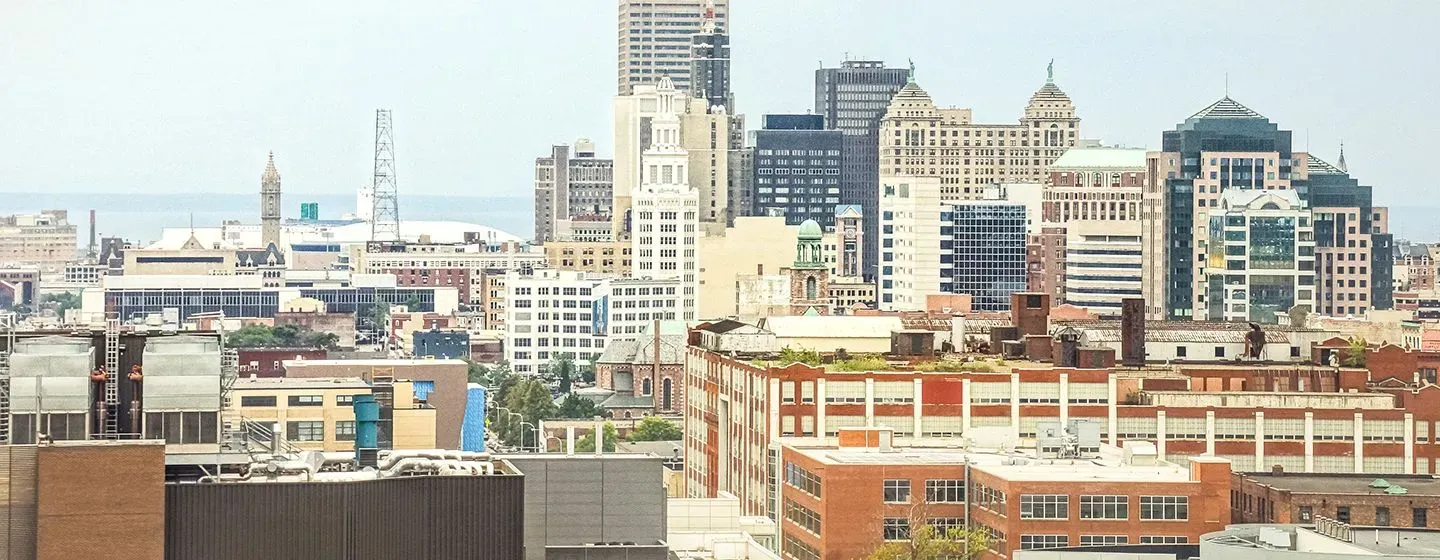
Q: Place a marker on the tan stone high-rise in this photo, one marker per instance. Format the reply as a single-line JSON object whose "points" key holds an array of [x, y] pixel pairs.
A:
{"points": [[655, 39], [46, 240], [919, 139]]}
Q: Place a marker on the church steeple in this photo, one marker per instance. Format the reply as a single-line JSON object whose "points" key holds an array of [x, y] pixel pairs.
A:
{"points": [[270, 204]]}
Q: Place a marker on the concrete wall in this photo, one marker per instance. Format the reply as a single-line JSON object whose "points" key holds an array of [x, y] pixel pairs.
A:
{"points": [[573, 500], [756, 245]]}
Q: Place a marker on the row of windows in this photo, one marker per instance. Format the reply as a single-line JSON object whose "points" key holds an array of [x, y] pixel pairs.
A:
{"points": [[314, 430], [294, 400], [1034, 542]]}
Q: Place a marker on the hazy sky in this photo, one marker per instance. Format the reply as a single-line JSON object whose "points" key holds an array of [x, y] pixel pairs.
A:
{"points": [[182, 96]]}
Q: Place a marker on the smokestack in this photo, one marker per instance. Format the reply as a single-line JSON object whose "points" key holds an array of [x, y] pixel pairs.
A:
{"points": [[1132, 332], [92, 252]]}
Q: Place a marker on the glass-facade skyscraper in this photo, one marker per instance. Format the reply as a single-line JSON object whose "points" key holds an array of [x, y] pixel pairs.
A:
{"points": [[986, 254], [853, 99]]}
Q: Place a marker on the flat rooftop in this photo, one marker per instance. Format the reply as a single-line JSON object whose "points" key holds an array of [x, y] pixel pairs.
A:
{"points": [[372, 362], [300, 383], [1380, 542], [1324, 483], [1019, 465]]}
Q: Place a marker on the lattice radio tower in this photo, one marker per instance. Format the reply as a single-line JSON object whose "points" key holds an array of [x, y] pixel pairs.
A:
{"points": [[385, 220]]}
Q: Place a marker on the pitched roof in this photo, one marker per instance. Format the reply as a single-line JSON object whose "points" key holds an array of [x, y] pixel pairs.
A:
{"points": [[1227, 108], [641, 351], [1317, 166]]}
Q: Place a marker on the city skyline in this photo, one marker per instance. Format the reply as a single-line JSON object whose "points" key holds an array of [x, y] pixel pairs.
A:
{"points": [[213, 109]]}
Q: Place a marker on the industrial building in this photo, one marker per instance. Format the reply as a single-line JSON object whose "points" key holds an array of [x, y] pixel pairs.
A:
{"points": [[1284, 409], [437, 384], [842, 498], [318, 413]]}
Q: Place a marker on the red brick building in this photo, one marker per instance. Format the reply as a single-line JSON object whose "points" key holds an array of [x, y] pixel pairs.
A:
{"points": [[270, 362], [1301, 417], [842, 500], [1357, 499], [434, 277]]}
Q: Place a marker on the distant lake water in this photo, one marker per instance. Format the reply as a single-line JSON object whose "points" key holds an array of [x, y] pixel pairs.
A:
{"points": [[140, 217]]}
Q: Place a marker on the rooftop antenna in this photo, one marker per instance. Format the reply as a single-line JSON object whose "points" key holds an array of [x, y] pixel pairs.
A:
{"points": [[385, 218], [1227, 85]]}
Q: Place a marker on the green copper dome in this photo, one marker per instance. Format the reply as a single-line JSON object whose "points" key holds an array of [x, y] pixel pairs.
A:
{"points": [[810, 229]]}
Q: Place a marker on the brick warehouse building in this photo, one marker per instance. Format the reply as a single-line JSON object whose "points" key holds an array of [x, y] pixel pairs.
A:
{"points": [[1357, 499], [1301, 417], [841, 501]]}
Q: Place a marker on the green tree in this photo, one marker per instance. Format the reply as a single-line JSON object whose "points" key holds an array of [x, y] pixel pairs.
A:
{"points": [[655, 428], [576, 406], [530, 400], [412, 303], [1355, 354], [587, 373], [586, 443], [476, 372], [790, 355], [927, 542], [61, 302], [561, 369], [251, 336]]}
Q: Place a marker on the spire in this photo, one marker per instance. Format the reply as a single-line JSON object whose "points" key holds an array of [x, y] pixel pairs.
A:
{"points": [[270, 175], [1341, 162], [707, 21]]}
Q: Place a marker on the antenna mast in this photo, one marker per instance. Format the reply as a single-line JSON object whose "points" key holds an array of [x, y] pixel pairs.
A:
{"points": [[385, 219]]}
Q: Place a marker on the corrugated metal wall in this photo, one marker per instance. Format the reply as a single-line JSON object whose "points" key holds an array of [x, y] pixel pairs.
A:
{"points": [[17, 502], [419, 518]]}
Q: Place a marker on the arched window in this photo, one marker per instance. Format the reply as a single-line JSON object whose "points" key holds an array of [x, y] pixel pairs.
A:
{"points": [[665, 394], [645, 387], [812, 288]]}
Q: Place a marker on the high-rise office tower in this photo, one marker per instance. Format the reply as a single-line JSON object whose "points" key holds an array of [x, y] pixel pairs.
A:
{"points": [[656, 38], [270, 204], [710, 62], [704, 134], [797, 169], [571, 185], [1228, 146], [853, 98], [666, 208]]}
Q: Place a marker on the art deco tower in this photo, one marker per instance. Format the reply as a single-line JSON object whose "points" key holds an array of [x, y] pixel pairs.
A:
{"points": [[270, 204]]}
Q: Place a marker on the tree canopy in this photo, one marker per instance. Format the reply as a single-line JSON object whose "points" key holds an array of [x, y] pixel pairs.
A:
{"points": [[61, 302], [561, 369], [1355, 355], [655, 428], [586, 443], [283, 336], [529, 399], [576, 406], [927, 542]]}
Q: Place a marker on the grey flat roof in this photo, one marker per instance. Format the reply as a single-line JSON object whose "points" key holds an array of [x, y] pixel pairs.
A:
{"points": [[1321, 483]]}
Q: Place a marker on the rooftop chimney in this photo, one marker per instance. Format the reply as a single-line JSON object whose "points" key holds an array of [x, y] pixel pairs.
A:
{"points": [[1132, 332]]}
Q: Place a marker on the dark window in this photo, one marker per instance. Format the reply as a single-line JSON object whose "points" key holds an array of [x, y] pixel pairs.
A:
{"points": [[307, 400], [897, 528], [344, 400], [1307, 514], [1180, 352], [345, 430], [257, 401], [1219, 351], [1342, 514], [1032, 302], [897, 491], [1382, 516], [1421, 517]]}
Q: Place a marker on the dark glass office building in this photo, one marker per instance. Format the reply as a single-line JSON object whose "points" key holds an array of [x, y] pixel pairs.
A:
{"points": [[710, 68], [852, 99], [797, 165], [987, 253]]}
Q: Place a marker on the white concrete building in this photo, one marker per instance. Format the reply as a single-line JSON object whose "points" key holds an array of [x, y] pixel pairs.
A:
{"points": [[655, 39], [1260, 260], [665, 216], [551, 312], [909, 241], [1102, 264]]}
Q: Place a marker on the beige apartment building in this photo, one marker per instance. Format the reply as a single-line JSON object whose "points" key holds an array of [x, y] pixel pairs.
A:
{"points": [[46, 240], [655, 39], [606, 257], [318, 413], [920, 139], [755, 246]]}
